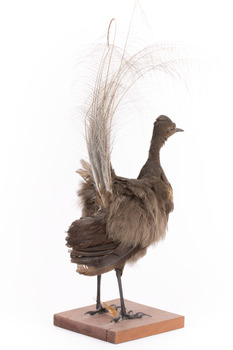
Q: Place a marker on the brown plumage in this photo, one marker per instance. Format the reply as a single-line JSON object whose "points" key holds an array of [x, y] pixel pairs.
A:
{"points": [[121, 217], [135, 216]]}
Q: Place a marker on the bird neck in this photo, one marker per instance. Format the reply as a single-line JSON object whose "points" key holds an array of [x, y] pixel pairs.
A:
{"points": [[155, 146], [152, 167]]}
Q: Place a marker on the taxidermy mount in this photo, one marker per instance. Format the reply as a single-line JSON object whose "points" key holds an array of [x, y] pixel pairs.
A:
{"points": [[121, 217]]}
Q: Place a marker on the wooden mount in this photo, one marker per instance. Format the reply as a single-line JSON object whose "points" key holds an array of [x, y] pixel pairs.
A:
{"points": [[100, 326]]}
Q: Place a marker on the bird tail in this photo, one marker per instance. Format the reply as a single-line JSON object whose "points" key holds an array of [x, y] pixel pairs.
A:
{"points": [[98, 122], [116, 73], [91, 249]]}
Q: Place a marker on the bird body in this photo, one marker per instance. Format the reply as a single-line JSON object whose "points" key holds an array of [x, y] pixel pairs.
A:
{"points": [[134, 217]]}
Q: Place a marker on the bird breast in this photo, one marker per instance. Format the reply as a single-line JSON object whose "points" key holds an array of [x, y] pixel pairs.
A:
{"points": [[139, 210]]}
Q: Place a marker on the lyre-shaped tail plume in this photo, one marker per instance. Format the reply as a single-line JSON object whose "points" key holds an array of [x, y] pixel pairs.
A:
{"points": [[116, 74], [98, 122]]}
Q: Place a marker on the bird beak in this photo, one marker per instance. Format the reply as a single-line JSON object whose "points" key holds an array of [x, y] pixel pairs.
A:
{"points": [[178, 129]]}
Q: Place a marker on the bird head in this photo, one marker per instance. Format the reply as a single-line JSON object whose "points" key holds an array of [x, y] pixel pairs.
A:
{"points": [[164, 127]]}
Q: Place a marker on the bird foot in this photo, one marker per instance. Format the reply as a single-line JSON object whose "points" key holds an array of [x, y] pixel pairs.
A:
{"points": [[100, 310], [115, 306], [129, 316]]}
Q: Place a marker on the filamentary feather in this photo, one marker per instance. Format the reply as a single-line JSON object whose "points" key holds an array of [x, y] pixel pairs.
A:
{"points": [[116, 75]]}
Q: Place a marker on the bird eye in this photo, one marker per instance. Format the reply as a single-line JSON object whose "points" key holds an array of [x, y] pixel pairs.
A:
{"points": [[172, 128]]}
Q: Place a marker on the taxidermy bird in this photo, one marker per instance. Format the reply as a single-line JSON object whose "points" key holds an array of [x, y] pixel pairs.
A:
{"points": [[121, 217]]}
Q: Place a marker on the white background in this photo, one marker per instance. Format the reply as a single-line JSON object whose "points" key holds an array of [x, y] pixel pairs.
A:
{"points": [[190, 273]]}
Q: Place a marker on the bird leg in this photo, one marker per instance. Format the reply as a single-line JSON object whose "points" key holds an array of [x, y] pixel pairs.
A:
{"points": [[98, 303], [99, 308], [123, 313]]}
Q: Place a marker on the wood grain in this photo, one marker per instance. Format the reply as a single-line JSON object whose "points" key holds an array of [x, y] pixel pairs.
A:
{"points": [[100, 326]]}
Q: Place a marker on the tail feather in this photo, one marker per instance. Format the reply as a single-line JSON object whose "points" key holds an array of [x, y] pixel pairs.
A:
{"points": [[92, 250], [116, 74]]}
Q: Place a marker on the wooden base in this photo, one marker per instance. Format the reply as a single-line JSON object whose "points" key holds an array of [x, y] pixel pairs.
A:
{"points": [[100, 326]]}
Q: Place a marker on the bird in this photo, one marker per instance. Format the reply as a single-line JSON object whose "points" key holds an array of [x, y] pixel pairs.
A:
{"points": [[121, 217]]}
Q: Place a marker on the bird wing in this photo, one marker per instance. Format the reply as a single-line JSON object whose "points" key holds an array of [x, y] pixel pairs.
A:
{"points": [[92, 250]]}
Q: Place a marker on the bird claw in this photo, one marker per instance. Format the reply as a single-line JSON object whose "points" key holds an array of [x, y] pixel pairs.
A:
{"points": [[101, 310], [115, 306], [129, 316]]}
